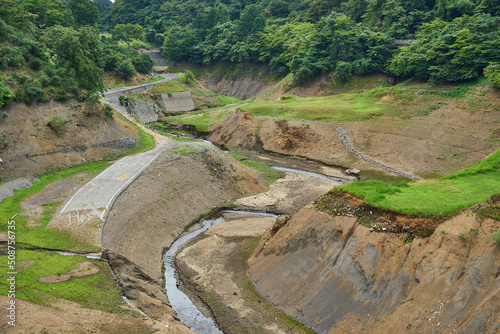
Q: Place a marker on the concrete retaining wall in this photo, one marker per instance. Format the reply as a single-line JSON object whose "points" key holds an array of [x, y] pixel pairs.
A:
{"points": [[181, 101]]}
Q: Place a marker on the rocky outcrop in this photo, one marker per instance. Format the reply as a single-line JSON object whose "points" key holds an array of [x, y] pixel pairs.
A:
{"points": [[144, 112], [346, 278]]}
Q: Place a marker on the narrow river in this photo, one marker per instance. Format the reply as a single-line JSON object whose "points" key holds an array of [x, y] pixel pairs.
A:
{"points": [[187, 312]]}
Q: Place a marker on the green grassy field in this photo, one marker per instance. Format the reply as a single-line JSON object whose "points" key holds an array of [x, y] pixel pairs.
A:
{"points": [[96, 291], [169, 87], [200, 119], [347, 107], [439, 197]]}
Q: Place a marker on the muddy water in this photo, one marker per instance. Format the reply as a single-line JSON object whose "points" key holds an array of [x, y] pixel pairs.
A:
{"points": [[183, 306], [187, 312]]}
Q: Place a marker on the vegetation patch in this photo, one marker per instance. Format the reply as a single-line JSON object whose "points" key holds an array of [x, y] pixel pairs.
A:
{"points": [[185, 149], [440, 197], [57, 124], [339, 203], [200, 119], [348, 107], [266, 173], [95, 291], [169, 87]]}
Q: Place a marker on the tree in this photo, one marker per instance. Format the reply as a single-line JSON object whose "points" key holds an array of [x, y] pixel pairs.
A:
{"points": [[143, 63], [79, 52], [49, 12], [251, 22], [492, 72], [179, 44], [127, 32], [126, 69], [15, 15], [85, 12], [451, 51], [103, 5]]}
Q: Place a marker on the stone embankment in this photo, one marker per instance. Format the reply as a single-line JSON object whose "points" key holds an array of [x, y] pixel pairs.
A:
{"points": [[116, 144], [349, 279]]}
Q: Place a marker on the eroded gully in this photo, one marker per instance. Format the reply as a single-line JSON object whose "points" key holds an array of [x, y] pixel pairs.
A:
{"points": [[186, 310]]}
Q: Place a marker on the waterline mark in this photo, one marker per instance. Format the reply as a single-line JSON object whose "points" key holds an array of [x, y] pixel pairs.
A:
{"points": [[11, 274]]}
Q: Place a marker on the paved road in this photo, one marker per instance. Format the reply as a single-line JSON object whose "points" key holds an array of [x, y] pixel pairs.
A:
{"points": [[94, 199], [113, 95]]}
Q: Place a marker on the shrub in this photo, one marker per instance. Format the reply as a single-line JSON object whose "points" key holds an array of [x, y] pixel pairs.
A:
{"points": [[36, 64], [108, 111], [126, 69], [143, 64], [187, 77], [57, 124], [6, 95]]}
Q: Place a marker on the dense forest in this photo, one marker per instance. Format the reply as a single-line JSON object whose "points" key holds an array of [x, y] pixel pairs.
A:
{"points": [[455, 39], [56, 49]]}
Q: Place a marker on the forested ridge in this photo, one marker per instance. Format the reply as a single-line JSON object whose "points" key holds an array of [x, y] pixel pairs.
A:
{"points": [[456, 39], [56, 49]]}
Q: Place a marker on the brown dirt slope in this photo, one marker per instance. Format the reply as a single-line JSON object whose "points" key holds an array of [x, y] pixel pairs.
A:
{"points": [[167, 197], [440, 143], [348, 279], [25, 132]]}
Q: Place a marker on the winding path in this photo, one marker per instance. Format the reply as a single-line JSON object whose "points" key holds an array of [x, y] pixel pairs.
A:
{"points": [[94, 199], [346, 141]]}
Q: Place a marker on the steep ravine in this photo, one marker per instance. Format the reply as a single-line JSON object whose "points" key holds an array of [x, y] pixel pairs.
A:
{"points": [[346, 278]]}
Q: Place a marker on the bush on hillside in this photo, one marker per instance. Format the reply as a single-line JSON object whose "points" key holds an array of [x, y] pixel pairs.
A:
{"points": [[57, 124]]}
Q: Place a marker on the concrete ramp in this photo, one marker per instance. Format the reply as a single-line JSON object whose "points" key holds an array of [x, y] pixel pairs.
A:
{"points": [[181, 101]]}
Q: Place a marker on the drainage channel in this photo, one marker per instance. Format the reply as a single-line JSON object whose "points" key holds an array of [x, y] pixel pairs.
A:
{"points": [[187, 312]]}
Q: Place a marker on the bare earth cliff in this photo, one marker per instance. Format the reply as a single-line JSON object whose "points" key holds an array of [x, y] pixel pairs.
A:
{"points": [[347, 279]]}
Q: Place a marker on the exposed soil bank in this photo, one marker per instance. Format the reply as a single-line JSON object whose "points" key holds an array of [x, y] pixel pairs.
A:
{"points": [[154, 210], [424, 146], [237, 80], [213, 267], [347, 279], [28, 146]]}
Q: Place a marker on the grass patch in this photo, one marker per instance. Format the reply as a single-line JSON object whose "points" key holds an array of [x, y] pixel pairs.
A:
{"points": [[185, 149], [146, 142], [200, 119], [96, 291], [169, 87], [266, 173], [348, 107], [440, 197]]}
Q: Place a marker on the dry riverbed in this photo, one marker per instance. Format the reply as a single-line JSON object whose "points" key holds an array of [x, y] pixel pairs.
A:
{"points": [[213, 267]]}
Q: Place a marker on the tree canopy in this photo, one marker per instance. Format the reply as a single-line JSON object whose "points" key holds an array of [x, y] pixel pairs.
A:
{"points": [[308, 37]]}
